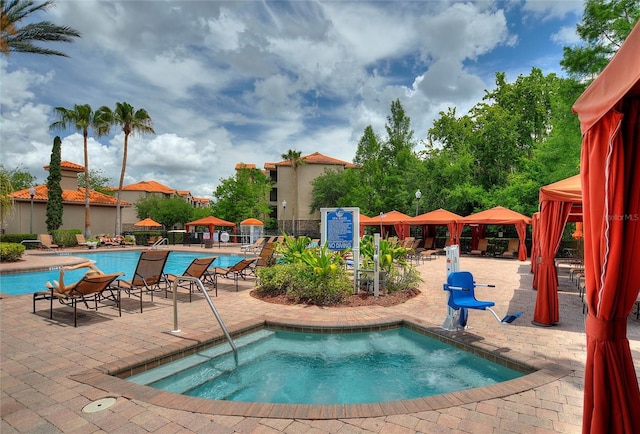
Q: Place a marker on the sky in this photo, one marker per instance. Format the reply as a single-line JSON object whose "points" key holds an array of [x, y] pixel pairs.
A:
{"points": [[245, 81]]}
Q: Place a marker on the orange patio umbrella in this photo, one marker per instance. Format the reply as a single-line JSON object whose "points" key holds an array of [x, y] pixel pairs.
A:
{"points": [[148, 223]]}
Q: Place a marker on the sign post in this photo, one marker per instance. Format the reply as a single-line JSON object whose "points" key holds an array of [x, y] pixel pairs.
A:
{"points": [[340, 230]]}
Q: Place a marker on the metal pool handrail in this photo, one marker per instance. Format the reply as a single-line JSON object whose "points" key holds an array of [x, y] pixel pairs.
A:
{"points": [[213, 308]]}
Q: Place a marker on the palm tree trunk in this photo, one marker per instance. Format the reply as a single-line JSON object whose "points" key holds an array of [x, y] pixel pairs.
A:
{"points": [[295, 198], [87, 210], [121, 184]]}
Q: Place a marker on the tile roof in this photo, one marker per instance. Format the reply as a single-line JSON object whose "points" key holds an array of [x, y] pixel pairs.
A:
{"points": [[68, 165], [149, 186], [75, 196], [270, 166], [245, 166], [318, 158]]}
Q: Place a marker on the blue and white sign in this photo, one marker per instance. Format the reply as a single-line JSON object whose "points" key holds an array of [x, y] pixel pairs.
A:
{"points": [[340, 230]]}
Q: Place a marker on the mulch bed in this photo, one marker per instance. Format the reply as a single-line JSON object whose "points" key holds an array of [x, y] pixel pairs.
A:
{"points": [[392, 299]]}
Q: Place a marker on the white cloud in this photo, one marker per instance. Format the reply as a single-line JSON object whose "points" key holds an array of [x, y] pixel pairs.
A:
{"points": [[566, 36], [553, 9], [226, 82]]}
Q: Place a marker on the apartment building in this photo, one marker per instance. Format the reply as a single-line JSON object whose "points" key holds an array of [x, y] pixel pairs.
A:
{"points": [[292, 206]]}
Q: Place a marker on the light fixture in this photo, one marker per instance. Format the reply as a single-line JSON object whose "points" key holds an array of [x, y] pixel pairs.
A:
{"points": [[418, 196], [32, 192]]}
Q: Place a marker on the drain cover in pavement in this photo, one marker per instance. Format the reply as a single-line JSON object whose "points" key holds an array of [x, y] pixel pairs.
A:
{"points": [[100, 404]]}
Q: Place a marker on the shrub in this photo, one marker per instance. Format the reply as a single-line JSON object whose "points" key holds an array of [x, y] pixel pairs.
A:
{"points": [[276, 280], [403, 278], [16, 238], [11, 252], [312, 288], [65, 237], [302, 285]]}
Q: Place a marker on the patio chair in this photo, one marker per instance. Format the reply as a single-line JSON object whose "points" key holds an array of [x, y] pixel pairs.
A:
{"points": [[265, 257], [512, 249], [47, 241], [240, 269], [197, 268], [82, 241], [257, 245], [148, 276], [91, 288], [482, 247]]}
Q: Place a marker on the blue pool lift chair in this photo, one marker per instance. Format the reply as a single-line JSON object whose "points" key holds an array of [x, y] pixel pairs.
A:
{"points": [[461, 287]]}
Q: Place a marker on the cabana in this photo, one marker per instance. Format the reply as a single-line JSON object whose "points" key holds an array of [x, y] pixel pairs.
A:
{"points": [[251, 230], [438, 217], [210, 222], [366, 221], [559, 202], [609, 113], [395, 219], [499, 216]]}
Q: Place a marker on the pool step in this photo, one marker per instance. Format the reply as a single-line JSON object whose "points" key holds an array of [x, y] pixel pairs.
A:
{"points": [[173, 369]]}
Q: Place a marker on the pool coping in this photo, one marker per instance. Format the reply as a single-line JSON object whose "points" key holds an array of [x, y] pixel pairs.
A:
{"points": [[111, 377]]}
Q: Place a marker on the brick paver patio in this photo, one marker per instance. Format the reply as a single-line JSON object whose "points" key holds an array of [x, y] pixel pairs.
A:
{"points": [[46, 368]]}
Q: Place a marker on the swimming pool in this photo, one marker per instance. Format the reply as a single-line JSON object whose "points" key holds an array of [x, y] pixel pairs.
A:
{"points": [[341, 368], [109, 262]]}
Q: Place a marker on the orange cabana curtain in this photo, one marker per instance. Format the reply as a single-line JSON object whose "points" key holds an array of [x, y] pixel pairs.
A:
{"points": [[521, 228], [553, 218], [610, 164], [535, 222]]}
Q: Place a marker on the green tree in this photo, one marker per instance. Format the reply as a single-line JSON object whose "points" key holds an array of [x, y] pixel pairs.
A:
{"points": [[82, 118], [166, 210], [146, 205], [172, 210], [19, 178], [97, 182], [333, 189], [131, 121], [22, 39], [54, 200], [6, 188], [295, 159], [604, 27], [242, 196]]}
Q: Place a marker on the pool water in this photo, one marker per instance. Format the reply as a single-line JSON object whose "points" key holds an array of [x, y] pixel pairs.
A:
{"points": [[110, 262], [298, 368]]}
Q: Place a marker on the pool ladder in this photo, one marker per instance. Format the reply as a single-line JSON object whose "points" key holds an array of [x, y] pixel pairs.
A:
{"points": [[213, 309]]}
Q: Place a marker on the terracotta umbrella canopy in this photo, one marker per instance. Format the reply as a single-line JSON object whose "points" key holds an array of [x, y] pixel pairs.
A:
{"points": [[500, 215], [366, 221], [438, 217], [609, 113], [211, 222], [148, 223], [398, 220]]}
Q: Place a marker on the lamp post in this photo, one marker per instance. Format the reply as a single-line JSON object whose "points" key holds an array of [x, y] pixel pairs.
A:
{"points": [[418, 196], [32, 192], [284, 214]]}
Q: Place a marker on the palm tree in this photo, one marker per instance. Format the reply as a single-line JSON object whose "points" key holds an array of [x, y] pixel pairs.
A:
{"points": [[294, 158], [82, 117], [131, 121], [20, 39]]}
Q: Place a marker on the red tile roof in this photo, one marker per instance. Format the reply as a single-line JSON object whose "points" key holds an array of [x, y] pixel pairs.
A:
{"points": [[148, 186], [74, 196], [318, 158], [68, 165], [270, 166], [245, 166]]}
